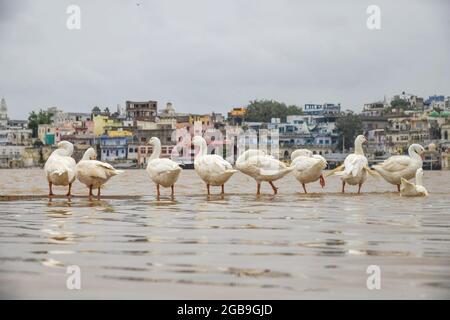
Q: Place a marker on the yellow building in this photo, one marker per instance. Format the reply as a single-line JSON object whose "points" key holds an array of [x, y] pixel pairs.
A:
{"points": [[205, 119], [100, 122], [119, 133], [237, 115]]}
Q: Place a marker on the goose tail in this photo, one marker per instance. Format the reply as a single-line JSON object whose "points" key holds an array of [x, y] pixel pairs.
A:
{"points": [[335, 170]]}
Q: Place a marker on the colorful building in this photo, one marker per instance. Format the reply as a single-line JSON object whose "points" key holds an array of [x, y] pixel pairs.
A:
{"points": [[113, 148]]}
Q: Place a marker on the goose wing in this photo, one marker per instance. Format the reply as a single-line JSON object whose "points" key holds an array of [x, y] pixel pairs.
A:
{"points": [[60, 165], [301, 163], [267, 165], [354, 164], [407, 186], [97, 169], [395, 163], [162, 165]]}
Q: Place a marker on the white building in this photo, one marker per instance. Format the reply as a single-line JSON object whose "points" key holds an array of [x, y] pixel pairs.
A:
{"points": [[15, 136], [3, 114], [10, 154], [62, 117]]}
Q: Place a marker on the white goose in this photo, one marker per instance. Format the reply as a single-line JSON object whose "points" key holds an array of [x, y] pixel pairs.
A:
{"points": [[163, 172], [414, 190], [94, 173], [395, 168], [262, 167], [211, 168], [355, 168], [308, 167], [60, 167]]}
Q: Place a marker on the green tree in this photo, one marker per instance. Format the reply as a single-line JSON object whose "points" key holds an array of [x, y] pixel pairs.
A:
{"points": [[348, 127], [265, 110], [399, 103], [293, 110], [35, 119]]}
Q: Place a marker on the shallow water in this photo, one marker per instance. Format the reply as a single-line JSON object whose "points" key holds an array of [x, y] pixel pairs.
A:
{"points": [[292, 245]]}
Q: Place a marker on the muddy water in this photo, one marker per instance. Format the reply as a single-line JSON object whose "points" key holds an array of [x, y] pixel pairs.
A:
{"points": [[129, 245]]}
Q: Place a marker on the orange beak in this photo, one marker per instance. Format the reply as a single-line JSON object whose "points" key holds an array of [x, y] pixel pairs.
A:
{"points": [[422, 155]]}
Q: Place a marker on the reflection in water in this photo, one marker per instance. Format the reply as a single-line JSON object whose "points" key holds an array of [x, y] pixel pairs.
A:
{"points": [[292, 245]]}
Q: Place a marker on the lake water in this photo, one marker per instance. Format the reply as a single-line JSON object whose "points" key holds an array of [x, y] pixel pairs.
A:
{"points": [[291, 246]]}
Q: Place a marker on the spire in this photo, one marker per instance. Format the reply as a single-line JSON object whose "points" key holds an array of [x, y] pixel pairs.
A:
{"points": [[3, 106], [3, 113]]}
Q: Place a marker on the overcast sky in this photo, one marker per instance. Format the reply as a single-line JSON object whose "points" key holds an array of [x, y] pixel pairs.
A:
{"points": [[212, 55]]}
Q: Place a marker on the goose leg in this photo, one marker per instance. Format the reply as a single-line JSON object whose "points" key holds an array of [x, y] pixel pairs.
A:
{"points": [[50, 192], [258, 188], [70, 189], [158, 193], [398, 188], [304, 187], [90, 192], [343, 186], [359, 188], [223, 189], [98, 194], [322, 180], [173, 190], [275, 189], [207, 187]]}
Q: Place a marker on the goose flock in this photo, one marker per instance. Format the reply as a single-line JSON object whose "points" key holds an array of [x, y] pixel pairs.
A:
{"points": [[62, 170]]}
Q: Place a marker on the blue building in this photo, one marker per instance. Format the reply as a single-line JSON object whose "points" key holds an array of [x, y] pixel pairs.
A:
{"points": [[113, 148]]}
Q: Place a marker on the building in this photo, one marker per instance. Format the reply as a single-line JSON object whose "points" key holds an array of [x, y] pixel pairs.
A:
{"points": [[76, 118], [164, 134], [374, 122], [217, 118], [16, 136], [405, 130], [236, 116], [205, 119], [169, 111], [434, 99], [18, 124], [51, 135], [11, 156], [374, 109], [313, 109], [445, 133], [3, 114], [332, 108], [141, 152], [113, 148], [142, 110], [321, 109], [102, 123]]}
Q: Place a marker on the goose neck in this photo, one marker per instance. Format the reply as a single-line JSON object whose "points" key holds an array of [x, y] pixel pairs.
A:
{"points": [[413, 153], [203, 148], [418, 179], [358, 148], [156, 152]]}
